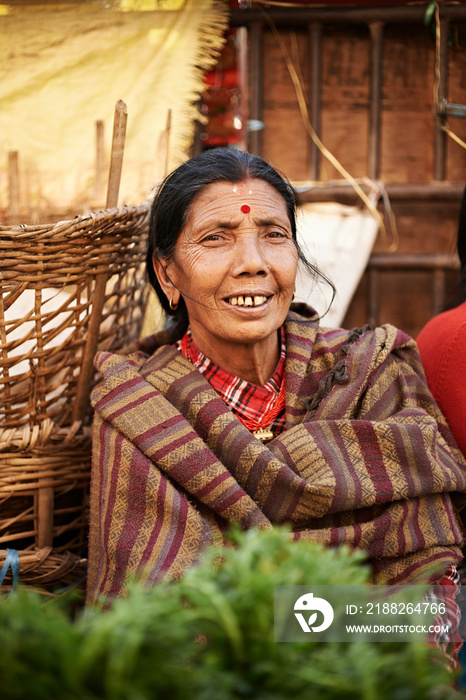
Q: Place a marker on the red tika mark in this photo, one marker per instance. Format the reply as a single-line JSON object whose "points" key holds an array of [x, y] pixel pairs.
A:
{"points": [[245, 208]]}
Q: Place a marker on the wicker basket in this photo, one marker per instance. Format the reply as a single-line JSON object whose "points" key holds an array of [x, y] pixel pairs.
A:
{"points": [[52, 320]]}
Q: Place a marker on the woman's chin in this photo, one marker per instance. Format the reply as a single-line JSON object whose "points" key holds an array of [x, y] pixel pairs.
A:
{"points": [[249, 330]]}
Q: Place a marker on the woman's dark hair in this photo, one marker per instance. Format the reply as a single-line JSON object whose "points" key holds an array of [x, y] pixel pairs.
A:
{"points": [[171, 206], [461, 247], [460, 288]]}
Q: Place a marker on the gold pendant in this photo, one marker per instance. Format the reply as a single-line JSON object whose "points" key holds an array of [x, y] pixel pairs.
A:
{"points": [[263, 434]]}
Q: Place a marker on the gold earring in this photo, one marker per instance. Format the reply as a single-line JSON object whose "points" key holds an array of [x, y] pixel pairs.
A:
{"points": [[293, 296], [172, 305]]}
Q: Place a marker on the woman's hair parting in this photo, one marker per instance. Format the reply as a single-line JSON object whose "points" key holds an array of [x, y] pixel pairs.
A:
{"points": [[173, 199]]}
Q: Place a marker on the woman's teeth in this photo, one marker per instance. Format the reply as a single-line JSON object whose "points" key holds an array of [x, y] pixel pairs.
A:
{"points": [[247, 301]]}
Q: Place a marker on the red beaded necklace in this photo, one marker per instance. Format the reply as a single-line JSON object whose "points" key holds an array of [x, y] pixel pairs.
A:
{"points": [[262, 428]]}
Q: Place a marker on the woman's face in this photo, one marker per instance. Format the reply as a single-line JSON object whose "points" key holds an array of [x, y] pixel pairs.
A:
{"points": [[235, 264]]}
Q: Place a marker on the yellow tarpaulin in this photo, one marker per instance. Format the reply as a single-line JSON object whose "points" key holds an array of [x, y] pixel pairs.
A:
{"points": [[63, 67]]}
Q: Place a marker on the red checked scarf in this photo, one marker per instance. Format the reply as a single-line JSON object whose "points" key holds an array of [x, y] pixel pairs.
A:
{"points": [[366, 459], [248, 401]]}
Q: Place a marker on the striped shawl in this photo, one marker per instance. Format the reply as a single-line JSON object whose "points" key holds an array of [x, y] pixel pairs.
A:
{"points": [[366, 459]]}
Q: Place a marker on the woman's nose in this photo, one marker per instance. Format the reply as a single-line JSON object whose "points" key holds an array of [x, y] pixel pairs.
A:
{"points": [[249, 257]]}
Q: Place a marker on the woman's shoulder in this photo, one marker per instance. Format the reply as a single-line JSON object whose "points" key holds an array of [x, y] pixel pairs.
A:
{"points": [[352, 357], [442, 344], [124, 372], [305, 326], [440, 338], [139, 351], [440, 329]]}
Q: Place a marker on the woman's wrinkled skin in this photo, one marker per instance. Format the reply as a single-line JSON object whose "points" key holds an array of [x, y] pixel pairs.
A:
{"points": [[236, 271]]}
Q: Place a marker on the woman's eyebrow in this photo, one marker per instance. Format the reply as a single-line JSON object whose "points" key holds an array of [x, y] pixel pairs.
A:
{"points": [[273, 222], [234, 223], [230, 224]]}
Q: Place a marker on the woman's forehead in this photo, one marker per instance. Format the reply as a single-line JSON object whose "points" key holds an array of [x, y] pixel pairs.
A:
{"points": [[252, 195]]}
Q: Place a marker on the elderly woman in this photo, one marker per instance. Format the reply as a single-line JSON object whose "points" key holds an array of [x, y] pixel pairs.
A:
{"points": [[246, 410]]}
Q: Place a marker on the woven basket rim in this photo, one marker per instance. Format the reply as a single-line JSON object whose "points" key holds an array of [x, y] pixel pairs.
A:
{"points": [[88, 218]]}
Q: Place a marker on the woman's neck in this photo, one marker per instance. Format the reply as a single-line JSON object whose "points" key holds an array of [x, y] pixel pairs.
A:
{"points": [[253, 362]]}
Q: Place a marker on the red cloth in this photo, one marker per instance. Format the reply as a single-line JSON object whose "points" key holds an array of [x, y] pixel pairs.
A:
{"points": [[442, 346]]}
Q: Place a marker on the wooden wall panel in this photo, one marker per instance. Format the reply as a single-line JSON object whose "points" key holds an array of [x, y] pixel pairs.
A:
{"points": [[407, 119], [285, 141], [407, 95], [406, 296], [345, 100], [405, 300], [424, 227]]}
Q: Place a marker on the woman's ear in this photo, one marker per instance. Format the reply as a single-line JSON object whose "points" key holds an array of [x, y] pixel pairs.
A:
{"points": [[161, 266]]}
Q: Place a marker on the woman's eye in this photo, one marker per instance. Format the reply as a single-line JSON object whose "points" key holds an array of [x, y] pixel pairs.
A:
{"points": [[277, 234], [212, 237]]}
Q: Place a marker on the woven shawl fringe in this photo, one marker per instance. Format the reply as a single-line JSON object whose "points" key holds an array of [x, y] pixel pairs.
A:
{"points": [[338, 374]]}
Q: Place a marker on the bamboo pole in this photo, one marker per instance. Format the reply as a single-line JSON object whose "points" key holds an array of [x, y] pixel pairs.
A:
{"points": [[440, 137], [163, 149], [116, 159], [299, 17], [99, 192], [13, 184], [45, 513], [315, 92], [375, 110], [424, 192], [256, 87], [167, 141], [98, 297]]}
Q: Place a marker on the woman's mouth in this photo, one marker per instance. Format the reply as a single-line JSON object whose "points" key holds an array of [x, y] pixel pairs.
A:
{"points": [[246, 300]]}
